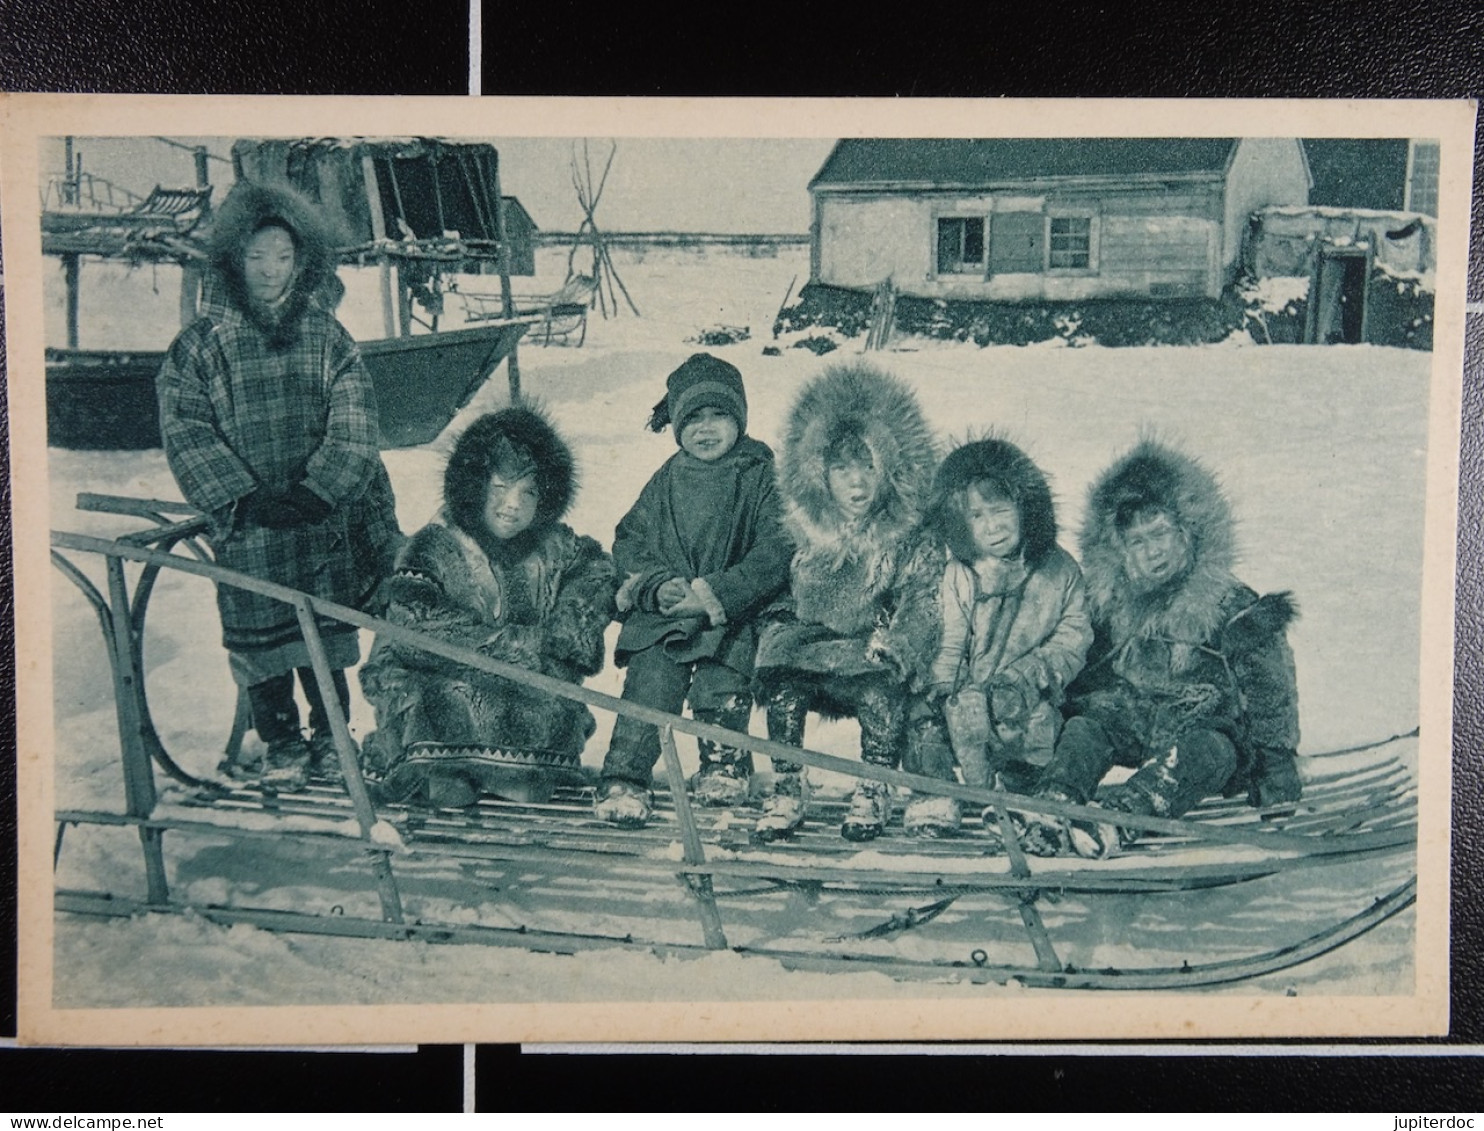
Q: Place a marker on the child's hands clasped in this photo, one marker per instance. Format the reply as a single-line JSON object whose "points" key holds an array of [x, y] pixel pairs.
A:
{"points": [[671, 593], [678, 598]]}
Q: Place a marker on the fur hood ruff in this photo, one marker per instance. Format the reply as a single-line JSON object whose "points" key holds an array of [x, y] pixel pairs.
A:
{"points": [[315, 286], [858, 400], [1191, 610], [466, 477], [996, 459]]}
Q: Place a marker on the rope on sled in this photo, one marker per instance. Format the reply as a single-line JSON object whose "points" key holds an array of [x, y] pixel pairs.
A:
{"points": [[1413, 733]]}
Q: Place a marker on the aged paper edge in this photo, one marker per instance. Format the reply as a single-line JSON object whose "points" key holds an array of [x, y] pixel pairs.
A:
{"points": [[24, 119]]}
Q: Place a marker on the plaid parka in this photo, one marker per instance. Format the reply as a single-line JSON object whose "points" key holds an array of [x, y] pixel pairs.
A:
{"points": [[244, 405]]}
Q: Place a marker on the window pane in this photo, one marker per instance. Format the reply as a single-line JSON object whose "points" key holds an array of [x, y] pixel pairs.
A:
{"points": [[960, 245], [1071, 242], [974, 242], [1422, 190], [950, 246]]}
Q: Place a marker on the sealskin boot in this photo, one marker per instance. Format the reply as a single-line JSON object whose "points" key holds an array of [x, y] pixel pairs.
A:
{"points": [[286, 763], [725, 776], [1101, 839], [623, 804], [870, 809], [931, 817], [783, 809]]}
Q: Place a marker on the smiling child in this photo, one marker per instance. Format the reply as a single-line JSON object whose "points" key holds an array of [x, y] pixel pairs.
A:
{"points": [[702, 552]]}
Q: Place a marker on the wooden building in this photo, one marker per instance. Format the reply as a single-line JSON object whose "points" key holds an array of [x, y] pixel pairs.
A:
{"points": [[1367, 241], [521, 232], [1045, 219]]}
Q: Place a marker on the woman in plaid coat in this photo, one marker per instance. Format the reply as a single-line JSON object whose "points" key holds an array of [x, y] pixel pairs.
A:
{"points": [[269, 423]]}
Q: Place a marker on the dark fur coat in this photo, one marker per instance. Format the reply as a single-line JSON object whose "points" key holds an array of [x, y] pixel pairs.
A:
{"points": [[862, 597], [1202, 651], [540, 600]]}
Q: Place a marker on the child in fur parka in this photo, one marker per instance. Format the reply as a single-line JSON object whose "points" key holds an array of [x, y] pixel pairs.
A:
{"points": [[1190, 681], [1015, 624], [269, 423], [859, 626], [702, 554], [496, 571]]}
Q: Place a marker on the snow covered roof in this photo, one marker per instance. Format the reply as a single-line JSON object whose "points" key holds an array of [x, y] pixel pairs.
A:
{"points": [[1335, 212], [934, 162]]}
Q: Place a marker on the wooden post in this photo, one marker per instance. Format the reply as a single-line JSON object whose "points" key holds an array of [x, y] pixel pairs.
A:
{"points": [[350, 767], [71, 268], [512, 362], [378, 233], [190, 284], [190, 274], [404, 307], [139, 781], [690, 841]]}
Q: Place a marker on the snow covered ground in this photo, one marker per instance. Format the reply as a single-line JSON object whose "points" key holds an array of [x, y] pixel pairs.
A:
{"points": [[1322, 450]]}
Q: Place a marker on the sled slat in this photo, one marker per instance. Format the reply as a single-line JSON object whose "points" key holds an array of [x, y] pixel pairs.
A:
{"points": [[381, 864], [690, 839]]}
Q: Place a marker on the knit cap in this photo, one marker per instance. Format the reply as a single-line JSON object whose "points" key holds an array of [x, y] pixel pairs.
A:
{"points": [[701, 382]]}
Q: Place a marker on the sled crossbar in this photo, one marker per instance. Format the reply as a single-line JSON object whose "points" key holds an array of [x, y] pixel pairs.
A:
{"points": [[556, 840]]}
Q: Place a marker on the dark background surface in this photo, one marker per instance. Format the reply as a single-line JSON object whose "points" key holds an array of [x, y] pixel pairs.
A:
{"points": [[1257, 49]]}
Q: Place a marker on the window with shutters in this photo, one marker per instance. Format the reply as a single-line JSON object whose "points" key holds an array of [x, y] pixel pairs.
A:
{"points": [[961, 245]]}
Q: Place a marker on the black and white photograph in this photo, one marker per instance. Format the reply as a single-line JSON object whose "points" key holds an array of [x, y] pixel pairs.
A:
{"points": [[659, 570]]}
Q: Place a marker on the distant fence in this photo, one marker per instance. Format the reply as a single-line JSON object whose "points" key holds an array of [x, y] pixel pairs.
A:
{"points": [[682, 239]]}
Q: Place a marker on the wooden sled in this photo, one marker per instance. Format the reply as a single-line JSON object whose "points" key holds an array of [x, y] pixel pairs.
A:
{"points": [[549, 877], [560, 315]]}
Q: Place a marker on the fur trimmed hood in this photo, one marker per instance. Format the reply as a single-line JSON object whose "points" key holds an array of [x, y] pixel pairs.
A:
{"points": [[247, 208], [996, 459], [856, 400], [475, 456], [1189, 609]]}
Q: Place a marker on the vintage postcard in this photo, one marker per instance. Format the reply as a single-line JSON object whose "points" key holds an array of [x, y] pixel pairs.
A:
{"points": [[626, 570]]}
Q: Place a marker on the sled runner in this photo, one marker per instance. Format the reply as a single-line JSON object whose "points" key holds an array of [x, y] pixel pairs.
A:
{"points": [[1242, 892]]}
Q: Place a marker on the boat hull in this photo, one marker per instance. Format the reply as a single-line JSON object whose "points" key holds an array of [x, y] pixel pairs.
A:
{"points": [[105, 399]]}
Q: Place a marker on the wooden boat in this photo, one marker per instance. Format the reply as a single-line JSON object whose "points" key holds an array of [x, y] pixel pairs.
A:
{"points": [[105, 399], [974, 903], [419, 188]]}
